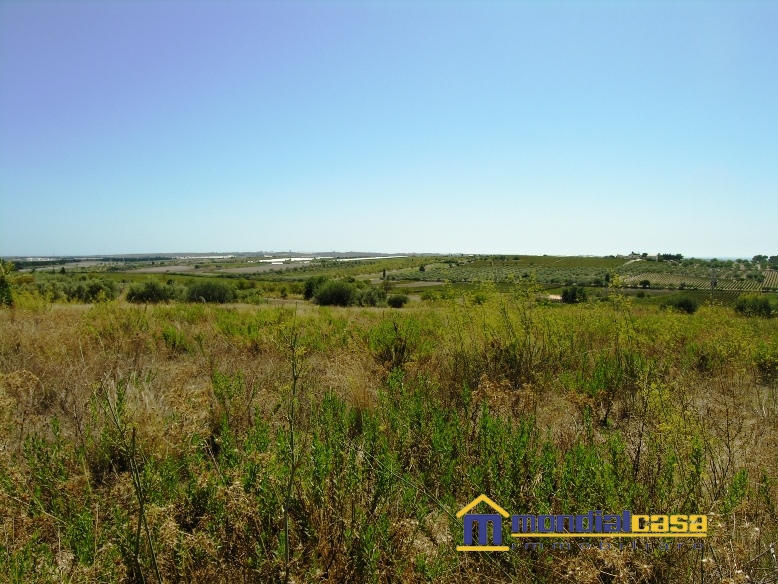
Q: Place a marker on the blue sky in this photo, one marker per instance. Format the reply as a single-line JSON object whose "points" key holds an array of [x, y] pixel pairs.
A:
{"points": [[474, 127]]}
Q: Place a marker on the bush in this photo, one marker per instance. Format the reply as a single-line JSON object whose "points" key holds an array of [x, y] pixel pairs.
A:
{"points": [[217, 292], [430, 296], [312, 285], [753, 305], [92, 290], [766, 361], [479, 298], [150, 292], [685, 304], [369, 296], [397, 300], [251, 296], [573, 295], [334, 293]]}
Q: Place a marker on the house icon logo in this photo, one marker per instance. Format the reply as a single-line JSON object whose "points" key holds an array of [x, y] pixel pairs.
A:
{"points": [[480, 523]]}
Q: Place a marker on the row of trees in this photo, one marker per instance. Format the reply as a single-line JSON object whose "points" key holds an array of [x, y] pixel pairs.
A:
{"points": [[83, 289], [90, 290], [320, 289], [747, 305], [771, 261], [153, 292], [676, 257]]}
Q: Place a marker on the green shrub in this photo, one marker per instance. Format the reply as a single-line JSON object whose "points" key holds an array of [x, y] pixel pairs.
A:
{"points": [[397, 300], [335, 292], [479, 298], [91, 290], [151, 292], [218, 292], [753, 305], [369, 296], [312, 285], [429, 296], [766, 361], [174, 339], [681, 303], [573, 295], [251, 296]]}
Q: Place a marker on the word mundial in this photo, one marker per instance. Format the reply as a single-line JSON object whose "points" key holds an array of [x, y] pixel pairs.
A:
{"points": [[592, 524]]}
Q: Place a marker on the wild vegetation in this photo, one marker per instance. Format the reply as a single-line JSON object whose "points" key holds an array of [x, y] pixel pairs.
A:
{"points": [[255, 280], [296, 442], [682, 303], [326, 292]]}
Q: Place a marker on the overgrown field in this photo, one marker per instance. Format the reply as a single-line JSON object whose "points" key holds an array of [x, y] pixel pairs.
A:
{"points": [[201, 443]]}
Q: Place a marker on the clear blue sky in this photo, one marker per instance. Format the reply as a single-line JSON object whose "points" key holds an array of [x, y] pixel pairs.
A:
{"points": [[553, 127]]}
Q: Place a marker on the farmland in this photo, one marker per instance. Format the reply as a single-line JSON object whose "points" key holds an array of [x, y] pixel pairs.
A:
{"points": [[270, 437]]}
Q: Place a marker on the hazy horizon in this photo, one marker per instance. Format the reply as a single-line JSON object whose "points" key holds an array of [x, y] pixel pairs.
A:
{"points": [[590, 128], [355, 253]]}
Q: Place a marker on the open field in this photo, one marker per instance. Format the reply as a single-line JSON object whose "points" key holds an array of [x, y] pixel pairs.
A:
{"points": [[177, 439]]}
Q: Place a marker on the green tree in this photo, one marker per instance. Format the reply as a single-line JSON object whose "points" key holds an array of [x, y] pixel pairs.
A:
{"points": [[6, 294], [574, 295]]}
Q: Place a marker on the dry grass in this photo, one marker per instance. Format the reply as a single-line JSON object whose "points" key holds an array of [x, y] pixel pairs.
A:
{"points": [[207, 391]]}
